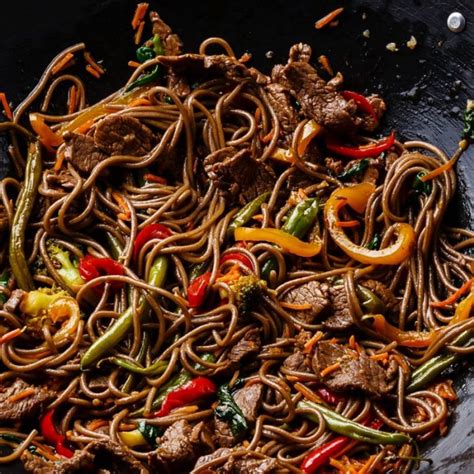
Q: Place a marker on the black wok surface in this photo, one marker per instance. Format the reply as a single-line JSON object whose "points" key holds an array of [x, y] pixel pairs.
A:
{"points": [[426, 89]]}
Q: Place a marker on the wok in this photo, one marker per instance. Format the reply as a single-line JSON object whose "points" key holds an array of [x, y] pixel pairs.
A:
{"points": [[426, 88]]}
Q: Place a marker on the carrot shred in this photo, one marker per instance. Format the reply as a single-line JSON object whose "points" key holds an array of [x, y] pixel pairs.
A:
{"points": [[258, 217], [92, 71], [85, 126], [134, 64], [139, 14], [90, 60], [95, 424], [155, 179], [352, 342], [307, 392], [46, 135], [126, 214], [139, 33], [368, 465], [325, 20], [138, 102], [382, 356], [402, 363], [20, 395], [324, 61], [330, 368], [268, 137], [296, 306], [6, 106], [309, 344], [62, 63], [72, 99], [7, 337], [454, 297], [59, 161], [353, 223], [258, 114], [45, 451]]}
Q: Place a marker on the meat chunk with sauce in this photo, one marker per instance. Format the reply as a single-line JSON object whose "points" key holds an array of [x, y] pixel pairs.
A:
{"points": [[238, 175], [340, 317], [280, 100], [14, 300], [300, 52], [250, 344], [355, 372], [26, 408], [82, 152], [296, 362], [170, 41], [123, 135]]}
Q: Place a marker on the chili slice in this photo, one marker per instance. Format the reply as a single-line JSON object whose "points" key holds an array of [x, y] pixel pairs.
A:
{"points": [[361, 152]]}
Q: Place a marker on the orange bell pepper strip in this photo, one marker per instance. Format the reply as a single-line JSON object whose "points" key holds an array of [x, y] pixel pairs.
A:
{"points": [[463, 309], [287, 242], [357, 197], [403, 338]]}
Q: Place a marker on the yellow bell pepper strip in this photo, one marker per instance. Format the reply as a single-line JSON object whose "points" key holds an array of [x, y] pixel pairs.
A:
{"points": [[403, 338], [287, 242], [36, 302], [310, 130], [357, 197], [463, 309]]}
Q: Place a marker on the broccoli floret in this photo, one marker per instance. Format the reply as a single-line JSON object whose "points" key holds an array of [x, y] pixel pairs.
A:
{"points": [[65, 267], [248, 291]]}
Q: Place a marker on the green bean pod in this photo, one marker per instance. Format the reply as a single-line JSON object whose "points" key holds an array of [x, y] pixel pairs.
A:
{"points": [[24, 207], [345, 427], [246, 213], [302, 217]]}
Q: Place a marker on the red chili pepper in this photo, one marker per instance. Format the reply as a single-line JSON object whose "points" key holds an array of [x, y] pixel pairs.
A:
{"points": [[197, 290], [192, 391], [361, 152], [149, 232], [91, 267], [52, 436], [362, 102], [237, 256], [329, 396]]}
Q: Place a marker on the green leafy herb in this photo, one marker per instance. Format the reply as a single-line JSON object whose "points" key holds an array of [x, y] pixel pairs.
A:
{"points": [[229, 411], [144, 79], [374, 244], [468, 130], [420, 187], [355, 170], [144, 53], [158, 46], [4, 283], [11, 438], [150, 433]]}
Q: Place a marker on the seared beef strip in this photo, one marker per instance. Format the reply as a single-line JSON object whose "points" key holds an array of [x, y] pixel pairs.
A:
{"points": [[25, 408], [341, 317], [238, 175], [82, 152], [123, 135], [280, 101], [249, 344], [82, 461], [296, 362], [300, 52], [356, 371], [379, 106], [240, 465], [14, 301]]}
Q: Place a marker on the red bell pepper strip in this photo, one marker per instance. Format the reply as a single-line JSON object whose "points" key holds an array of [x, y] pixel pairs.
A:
{"points": [[52, 436], [149, 232], [197, 290], [92, 267], [362, 102], [321, 455], [329, 396], [191, 391], [363, 151], [237, 256]]}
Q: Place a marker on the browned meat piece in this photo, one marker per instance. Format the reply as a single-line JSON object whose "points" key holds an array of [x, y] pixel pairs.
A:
{"points": [[249, 465], [123, 135], [224, 435], [178, 448], [314, 293], [227, 463], [82, 152], [238, 175], [320, 100], [356, 372], [371, 175], [300, 52], [379, 106], [390, 159], [280, 101], [336, 167], [82, 461], [340, 318], [171, 42], [384, 293], [13, 302], [231, 465], [296, 362], [26, 408], [248, 345]]}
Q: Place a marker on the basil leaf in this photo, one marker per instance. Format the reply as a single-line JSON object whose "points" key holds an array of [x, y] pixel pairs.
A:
{"points": [[229, 411], [150, 433], [355, 170], [374, 244]]}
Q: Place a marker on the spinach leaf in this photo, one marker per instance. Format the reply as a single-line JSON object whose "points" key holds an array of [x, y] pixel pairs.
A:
{"points": [[150, 433], [229, 411], [355, 170], [374, 244], [420, 187]]}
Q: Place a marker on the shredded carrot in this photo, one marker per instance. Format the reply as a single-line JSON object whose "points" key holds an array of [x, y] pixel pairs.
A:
{"points": [[154, 179], [353, 223], [258, 114], [308, 346], [6, 106], [232, 275], [92, 71], [185, 410], [59, 161], [324, 61], [46, 135], [352, 342], [85, 126], [268, 137], [258, 217], [134, 64], [21, 395], [402, 363], [7, 337], [246, 57], [90, 60], [307, 392], [72, 99], [139, 33], [96, 424], [328, 18], [126, 214], [63, 63], [368, 465], [343, 468], [138, 102], [445, 390], [45, 451], [296, 306], [330, 369], [453, 298], [140, 12], [382, 356]]}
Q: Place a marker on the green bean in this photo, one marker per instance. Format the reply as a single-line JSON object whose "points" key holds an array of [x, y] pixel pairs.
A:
{"points": [[369, 300], [301, 218], [114, 245], [246, 213], [122, 326], [24, 206], [155, 369], [343, 426]]}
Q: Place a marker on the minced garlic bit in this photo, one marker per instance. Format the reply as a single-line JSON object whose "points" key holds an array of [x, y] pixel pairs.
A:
{"points": [[411, 43], [392, 47], [366, 33]]}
